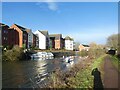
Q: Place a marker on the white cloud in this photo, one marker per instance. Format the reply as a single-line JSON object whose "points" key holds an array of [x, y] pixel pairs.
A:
{"points": [[52, 6]]}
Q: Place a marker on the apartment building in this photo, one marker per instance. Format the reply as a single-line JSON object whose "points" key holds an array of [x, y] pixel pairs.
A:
{"points": [[22, 34], [4, 32], [59, 43], [18, 35], [13, 37], [44, 39], [30, 38], [52, 42], [35, 41], [9, 36], [68, 43]]}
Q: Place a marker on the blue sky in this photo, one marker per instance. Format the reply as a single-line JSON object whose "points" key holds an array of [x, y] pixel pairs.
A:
{"points": [[86, 22]]}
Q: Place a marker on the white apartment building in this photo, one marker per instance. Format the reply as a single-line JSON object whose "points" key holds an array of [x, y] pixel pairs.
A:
{"points": [[68, 43], [43, 39]]}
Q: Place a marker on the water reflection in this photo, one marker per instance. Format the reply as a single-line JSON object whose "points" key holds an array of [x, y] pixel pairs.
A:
{"points": [[30, 74]]}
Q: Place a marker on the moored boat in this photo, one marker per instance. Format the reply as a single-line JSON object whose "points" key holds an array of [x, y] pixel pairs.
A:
{"points": [[41, 55]]}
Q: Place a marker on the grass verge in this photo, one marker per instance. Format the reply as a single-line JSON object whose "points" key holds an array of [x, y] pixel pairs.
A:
{"points": [[79, 76], [116, 62], [84, 79]]}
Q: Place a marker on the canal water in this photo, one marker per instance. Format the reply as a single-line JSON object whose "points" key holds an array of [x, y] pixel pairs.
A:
{"points": [[28, 74]]}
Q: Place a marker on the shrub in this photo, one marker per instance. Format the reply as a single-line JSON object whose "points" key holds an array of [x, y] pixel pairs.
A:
{"points": [[83, 53], [95, 53], [12, 55]]}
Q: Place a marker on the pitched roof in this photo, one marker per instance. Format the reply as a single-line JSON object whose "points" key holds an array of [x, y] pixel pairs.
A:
{"points": [[22, 28], [52, 38], [85, 45], [44, 32], [68, 38], [57, 36], [2, 25], [35, 35], [28, 30]]}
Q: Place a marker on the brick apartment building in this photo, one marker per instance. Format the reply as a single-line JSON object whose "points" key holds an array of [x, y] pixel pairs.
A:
{"points": [[22, 34], [9, 36], [59, 41], [17, 35], [4, 32], [13, 37], [23, 37]]}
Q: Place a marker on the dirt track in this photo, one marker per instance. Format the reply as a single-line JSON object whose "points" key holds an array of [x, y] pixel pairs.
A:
{"points": [[111, 75]]}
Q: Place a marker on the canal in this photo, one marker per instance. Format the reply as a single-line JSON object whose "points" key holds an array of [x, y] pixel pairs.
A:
{"points": [[28, 74]]}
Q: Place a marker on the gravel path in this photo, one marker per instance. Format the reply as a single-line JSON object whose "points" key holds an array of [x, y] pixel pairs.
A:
{"points": [[111, 75]]}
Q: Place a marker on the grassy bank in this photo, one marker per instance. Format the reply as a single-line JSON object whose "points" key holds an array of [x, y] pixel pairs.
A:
{"points": [[77, 77], [116, 62], [84, 79], [15, 54]]}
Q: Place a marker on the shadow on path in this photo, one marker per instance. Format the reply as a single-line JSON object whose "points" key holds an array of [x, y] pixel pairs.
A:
{"points": [[97, 79]]}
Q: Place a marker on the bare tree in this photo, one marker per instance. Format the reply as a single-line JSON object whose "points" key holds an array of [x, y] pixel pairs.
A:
{"points": [[95, 50], [112, 41]]}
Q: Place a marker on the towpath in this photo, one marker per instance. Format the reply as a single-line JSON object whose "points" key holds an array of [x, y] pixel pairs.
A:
{"points": [[111, 75]]}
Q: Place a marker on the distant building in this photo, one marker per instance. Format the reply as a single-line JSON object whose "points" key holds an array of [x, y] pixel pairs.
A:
{"points": [[84, 47], [43, 39], [58, 42], [30, 38], [23, 36], [68, 43]]}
